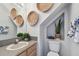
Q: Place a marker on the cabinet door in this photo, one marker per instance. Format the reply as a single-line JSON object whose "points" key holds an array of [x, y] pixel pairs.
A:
{"points": [[31, 50], [33, 53]]}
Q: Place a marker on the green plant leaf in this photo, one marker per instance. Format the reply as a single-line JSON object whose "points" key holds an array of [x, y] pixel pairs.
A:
{"points": [[58, 27]]}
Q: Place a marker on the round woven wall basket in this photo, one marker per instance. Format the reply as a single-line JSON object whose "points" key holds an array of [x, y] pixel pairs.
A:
{"points": [[19, 20], [13, 13], [33, 18], [44, 7]]}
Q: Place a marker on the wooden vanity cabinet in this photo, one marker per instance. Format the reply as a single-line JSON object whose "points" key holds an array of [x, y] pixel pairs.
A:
{"points": [[23, 53], [31, 51]]}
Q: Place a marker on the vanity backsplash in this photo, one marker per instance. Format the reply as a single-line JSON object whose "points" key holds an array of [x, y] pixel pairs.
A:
{"points": [[7, 41], [12, 40]]}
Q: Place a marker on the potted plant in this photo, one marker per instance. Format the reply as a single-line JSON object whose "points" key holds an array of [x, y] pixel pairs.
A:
{"points": [[20, 35], [26, 36], [58, 29]]}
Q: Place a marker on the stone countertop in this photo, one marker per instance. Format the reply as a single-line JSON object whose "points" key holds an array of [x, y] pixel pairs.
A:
{"points": [[5, 52]]}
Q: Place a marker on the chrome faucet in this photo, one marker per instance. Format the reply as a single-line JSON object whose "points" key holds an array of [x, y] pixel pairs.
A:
{"points": [[16, 41]]}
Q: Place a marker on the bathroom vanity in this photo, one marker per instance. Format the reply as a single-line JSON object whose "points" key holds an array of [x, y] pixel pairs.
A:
{"points": [[29, 50]]}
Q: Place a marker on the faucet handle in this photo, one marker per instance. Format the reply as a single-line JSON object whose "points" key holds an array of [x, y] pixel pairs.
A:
{"points": [[17, 40]]}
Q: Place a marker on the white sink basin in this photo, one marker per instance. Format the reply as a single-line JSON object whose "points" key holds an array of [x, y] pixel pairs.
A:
{"points": [[19, 45]]}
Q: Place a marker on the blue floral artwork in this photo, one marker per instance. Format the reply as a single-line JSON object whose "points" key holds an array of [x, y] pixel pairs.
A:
{"points": [[3, 29], [74, 30]]}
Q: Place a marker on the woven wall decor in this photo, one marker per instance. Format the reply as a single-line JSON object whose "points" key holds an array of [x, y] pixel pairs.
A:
{"points": [[19, 20], [13, 13], [44, 7], [33, 18]]}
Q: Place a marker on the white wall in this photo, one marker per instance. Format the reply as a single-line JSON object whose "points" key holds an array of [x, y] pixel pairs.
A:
{"points": [[5, 21], [43, 41], [20, 11], [68, 46], [65, 46], [34, 31], [51, 30], [74, 13]]}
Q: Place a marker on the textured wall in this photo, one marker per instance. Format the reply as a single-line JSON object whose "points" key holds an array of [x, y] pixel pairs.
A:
{"points": [[34, 31], [74, 12], [5, 21]]}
